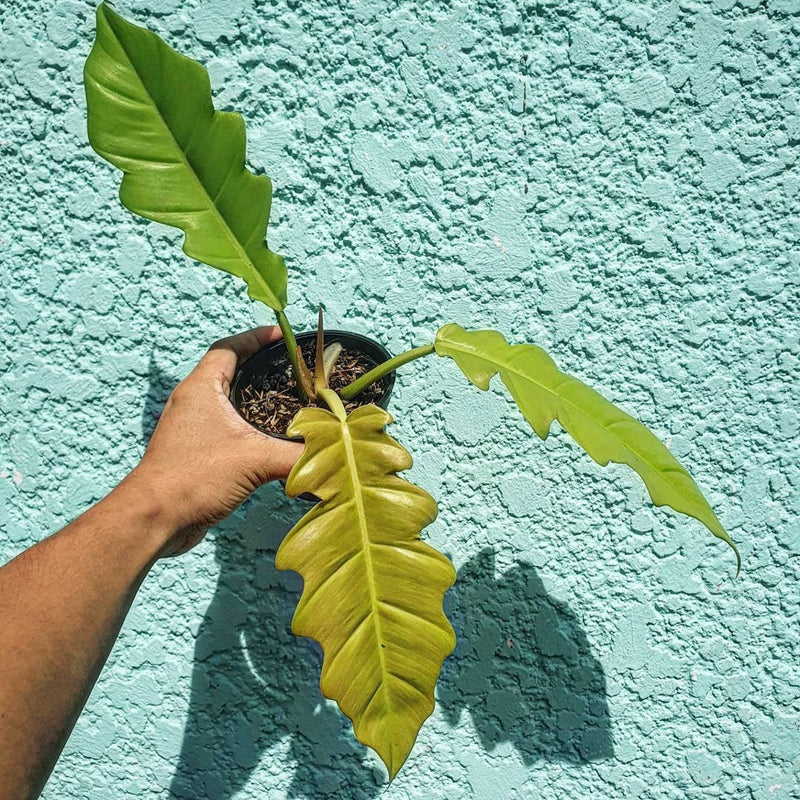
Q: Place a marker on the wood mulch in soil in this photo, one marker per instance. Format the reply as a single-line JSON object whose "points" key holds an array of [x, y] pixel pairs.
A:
{"points": [[271, 403]]}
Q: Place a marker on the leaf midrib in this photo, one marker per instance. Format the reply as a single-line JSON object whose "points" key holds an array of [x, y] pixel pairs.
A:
{"points": [[190, 168], [366, 543]]}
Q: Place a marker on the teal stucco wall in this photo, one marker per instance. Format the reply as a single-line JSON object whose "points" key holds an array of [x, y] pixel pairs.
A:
{"points": [[614, 181]]}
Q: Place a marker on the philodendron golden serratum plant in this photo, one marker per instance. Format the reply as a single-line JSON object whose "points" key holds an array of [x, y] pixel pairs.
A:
{"points": [[373, 590]]}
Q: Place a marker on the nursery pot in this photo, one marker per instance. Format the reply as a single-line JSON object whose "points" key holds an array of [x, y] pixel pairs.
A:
{"points": [[262, 364]]}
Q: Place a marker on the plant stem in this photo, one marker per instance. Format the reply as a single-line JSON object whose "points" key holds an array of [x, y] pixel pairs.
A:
{"points": [[291, 349], [334, 403], [356, 387]]}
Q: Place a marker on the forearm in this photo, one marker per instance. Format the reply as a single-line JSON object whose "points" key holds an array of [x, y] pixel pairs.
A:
{"points": [[62, 604]]}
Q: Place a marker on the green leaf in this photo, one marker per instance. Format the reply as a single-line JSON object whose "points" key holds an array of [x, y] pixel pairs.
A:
{"points": [[606, 433], [372, 591], [150, 114]]}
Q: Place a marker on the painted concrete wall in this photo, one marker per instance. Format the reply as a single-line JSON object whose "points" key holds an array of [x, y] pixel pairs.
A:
{"points": [[615, 181]]}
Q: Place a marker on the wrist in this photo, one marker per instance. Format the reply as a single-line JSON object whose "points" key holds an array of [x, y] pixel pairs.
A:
{"points": [[139, 500]]}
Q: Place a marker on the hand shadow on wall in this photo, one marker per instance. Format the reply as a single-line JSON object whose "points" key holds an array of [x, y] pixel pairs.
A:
{"points": [[158, 391], [523, 667]]}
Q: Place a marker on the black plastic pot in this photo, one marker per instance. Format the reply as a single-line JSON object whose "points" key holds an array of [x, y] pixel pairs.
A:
{"points": [[261, 364]]}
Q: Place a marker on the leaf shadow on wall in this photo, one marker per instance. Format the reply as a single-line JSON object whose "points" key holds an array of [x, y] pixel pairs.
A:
{"points": [[523, 667]]}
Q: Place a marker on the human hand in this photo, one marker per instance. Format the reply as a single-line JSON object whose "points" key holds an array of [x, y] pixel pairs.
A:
{"points": [[203, 459]]}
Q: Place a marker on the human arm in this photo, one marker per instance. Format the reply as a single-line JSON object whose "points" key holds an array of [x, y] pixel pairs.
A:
{"points": [[63, 601]]}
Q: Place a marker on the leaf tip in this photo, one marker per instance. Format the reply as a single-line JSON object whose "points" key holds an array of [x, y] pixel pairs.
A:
{"points": [[721, 533], [393, 759], [106, 11], [738, 558]]}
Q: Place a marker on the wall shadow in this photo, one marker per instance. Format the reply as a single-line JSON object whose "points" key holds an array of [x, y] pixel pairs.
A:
{"points": [[523, 667], [159, 388], [254, 683]]}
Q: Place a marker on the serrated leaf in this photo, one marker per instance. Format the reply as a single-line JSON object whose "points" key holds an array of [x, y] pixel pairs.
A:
{"points": [[543, 394], [372, 591], [150, 114]]}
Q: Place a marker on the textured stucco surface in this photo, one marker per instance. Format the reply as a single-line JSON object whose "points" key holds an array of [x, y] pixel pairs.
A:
{"points": [[614, 181]]}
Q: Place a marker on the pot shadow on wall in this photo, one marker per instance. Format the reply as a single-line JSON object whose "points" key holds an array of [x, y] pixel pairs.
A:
{"points": [[522, 667]]}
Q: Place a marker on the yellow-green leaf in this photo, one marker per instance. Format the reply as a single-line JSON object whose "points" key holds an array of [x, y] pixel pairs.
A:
{"points": [[150, 114], [372, 591], [544, 394]]}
